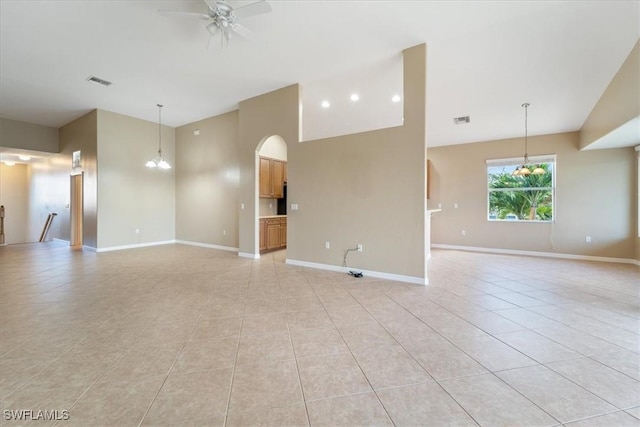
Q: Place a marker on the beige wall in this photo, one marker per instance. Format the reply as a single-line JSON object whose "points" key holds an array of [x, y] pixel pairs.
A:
{"points": [[366, 188], [207, 180], [54, 178], [637, 203], [595, 197], [28, 136], [14, 196], [131, 196], [619, 103]]}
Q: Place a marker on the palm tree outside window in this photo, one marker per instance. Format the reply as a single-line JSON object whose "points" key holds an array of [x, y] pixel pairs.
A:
{"points": [[517, 197]]}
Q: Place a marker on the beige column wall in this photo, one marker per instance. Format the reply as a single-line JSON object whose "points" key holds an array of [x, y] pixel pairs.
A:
{"points": [[207, 181], [52, 185], [274, 113], [367, 188], [595, 197]]}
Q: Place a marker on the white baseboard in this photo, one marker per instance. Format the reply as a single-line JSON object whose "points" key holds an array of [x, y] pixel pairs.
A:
{"points": [[89, 249], [137, 245], [248, 255], [55, 239], [635, 262], [377, 274], [207, 245], [534, 253]]}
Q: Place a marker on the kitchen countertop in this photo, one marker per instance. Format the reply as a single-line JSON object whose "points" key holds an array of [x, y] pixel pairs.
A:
{"points": [[272, 216]]}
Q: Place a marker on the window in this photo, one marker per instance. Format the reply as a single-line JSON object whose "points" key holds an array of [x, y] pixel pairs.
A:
{"points": [[521, 198]]}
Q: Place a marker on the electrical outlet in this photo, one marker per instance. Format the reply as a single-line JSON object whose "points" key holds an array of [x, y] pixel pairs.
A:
{"points": [[224, 232], [137, 231], [587, 239], [439, 205], [196, 132], [241, 205], [464, 233], [327, 245], [270, 205], [455, 206], [359, 247]]}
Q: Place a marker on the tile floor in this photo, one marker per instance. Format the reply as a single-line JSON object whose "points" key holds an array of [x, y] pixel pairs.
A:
{"points": [[179, 335]]}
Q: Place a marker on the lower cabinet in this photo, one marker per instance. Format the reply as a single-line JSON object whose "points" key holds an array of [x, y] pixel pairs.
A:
{"points": [[273, 234]]}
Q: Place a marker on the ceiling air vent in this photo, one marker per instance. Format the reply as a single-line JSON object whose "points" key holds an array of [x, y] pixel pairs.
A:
{"points": [[461, 120], [98, 80]]}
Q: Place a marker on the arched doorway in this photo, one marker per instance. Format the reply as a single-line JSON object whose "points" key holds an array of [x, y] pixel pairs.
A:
{"points": [[271, 195]]}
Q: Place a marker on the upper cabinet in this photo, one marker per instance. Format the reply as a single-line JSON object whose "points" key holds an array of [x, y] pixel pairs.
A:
{"points": [[273, 174]]}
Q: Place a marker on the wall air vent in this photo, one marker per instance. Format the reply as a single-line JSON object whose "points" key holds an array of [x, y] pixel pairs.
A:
{"points": [[98, 80], [461, 120]]}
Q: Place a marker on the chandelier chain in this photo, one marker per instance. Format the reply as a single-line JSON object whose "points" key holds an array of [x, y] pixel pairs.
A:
{"points": [[160, 129]]}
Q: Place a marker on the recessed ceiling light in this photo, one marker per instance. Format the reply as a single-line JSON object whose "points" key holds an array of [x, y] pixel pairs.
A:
{"points": [[24, 158], [395, 98], [355, 97], [325, 104], [9, 163]]}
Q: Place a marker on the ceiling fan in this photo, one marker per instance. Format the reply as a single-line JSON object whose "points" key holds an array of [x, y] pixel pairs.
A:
{"points": [[224, 18]]}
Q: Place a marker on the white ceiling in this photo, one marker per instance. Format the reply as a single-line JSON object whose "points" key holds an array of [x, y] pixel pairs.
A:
{"points": [[485, 58]]}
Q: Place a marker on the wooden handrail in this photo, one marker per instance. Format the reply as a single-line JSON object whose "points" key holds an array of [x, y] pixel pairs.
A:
{"points": [[47, 225]]}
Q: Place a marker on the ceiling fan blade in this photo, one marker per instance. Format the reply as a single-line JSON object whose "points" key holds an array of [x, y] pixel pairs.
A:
{"points": [[213, 5], [252, 9], [185, 14], [241, 31]]}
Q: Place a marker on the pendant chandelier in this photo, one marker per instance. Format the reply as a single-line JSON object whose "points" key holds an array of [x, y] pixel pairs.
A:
{"points": [[525, 168], [159, 161]]}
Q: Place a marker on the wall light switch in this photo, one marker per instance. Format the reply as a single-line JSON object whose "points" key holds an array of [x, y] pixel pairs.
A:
{"points": [[196, 132], [455, 206], [294, 206], [439, 205], [270, 205], [241, 205], [327, 245]]}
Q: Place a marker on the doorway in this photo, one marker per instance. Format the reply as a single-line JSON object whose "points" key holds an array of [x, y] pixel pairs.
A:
{"points": [[76, 210], [271, 195]]}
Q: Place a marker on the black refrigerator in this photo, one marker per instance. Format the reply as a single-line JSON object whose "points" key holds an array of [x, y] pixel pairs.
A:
{"points": [[282, 202]]}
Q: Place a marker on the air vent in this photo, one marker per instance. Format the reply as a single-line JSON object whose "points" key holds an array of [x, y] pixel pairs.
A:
{"points": [[98, 80], [461, 120]]}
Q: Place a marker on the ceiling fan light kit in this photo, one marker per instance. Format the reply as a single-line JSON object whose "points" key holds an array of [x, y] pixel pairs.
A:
{"points": [[224, 19]]}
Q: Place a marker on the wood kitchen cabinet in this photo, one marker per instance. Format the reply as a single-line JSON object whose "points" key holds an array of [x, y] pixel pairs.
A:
{"points": [[273, 234], [273, 174]]}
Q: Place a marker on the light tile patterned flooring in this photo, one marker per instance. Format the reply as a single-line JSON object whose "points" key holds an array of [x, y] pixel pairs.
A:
{"points": [[179, 335]]}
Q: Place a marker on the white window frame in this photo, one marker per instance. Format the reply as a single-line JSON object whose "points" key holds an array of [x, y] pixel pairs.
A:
{"points": [[515, 161]]}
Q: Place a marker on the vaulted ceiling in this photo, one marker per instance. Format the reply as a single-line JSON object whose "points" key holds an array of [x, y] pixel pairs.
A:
{"points": [[485, 58]]}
